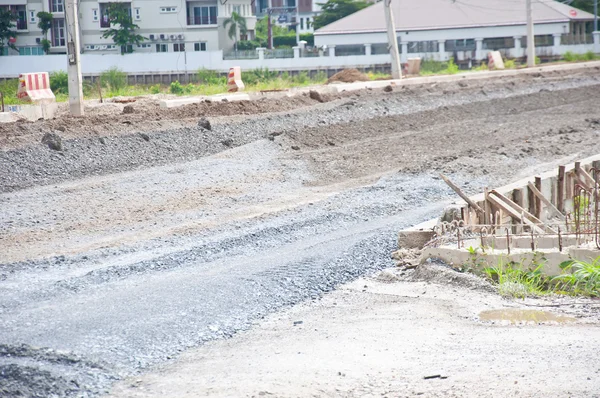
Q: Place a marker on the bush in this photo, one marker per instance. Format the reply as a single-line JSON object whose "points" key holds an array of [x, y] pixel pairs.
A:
{"points": [[580, 277], [589, 56], [176, 88], [569, 56], [481, 68], [309, 38], [283, 41], [59, 82], [260, 75], [509, 64], [114, 79], [155, 89], [301, 78], [211, 77]]}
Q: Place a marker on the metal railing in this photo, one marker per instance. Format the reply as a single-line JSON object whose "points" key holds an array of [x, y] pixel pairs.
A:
{"points": [[21, 24], [572, 39], [211, 20], [241, 54], [279, 53]]}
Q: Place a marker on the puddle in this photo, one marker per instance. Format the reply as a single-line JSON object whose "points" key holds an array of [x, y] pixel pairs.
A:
{"points": [[517, 316]]}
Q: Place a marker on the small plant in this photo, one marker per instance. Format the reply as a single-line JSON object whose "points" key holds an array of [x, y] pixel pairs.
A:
{"points": [[589, 56], [516, 280], [538, 60], [114, 79], [452, 68], [569, 56], [481, 68], [211, 77], [509, 64], [155, 89], [59, 82], [301, 78], [176, 88], [320, 77], [580, 277]]}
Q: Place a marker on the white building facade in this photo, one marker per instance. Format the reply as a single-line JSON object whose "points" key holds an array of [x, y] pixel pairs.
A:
{"points": [[167, 25]]}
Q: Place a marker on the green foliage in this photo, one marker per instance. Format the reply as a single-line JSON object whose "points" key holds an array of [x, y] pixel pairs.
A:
{"points": [[178, 89], [538, 60], [309, 38], [236, 24], [45, 22], [509, 64], [481, 68], [572, 57], [114, 79], [251, 44], [429, 67], [320, 77], [519, 281], [333, 10], [122, 30], [59, 82], [301, 78], [579, 277], [259, 75], [211, 77], [261, 29], [155, 89], [45, 45], [7, 28]]}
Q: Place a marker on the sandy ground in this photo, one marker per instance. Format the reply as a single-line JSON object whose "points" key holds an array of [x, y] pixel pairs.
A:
{"points": [[382, 336]]}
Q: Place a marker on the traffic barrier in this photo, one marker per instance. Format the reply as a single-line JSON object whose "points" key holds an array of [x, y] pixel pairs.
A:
{"points": [[495, 60], [234, 80], [35, 87]]}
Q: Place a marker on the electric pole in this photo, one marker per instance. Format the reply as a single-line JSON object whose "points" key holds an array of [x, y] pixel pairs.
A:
{"points": [[530, 37], [392, 40], [73, 58], [595, 15]]}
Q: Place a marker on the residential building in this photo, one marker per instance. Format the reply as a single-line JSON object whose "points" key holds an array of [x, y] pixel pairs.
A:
{"points": [[463, 29], [168, 25], [284, 12]]}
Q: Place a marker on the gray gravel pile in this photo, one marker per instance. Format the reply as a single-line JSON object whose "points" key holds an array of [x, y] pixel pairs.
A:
{"points": [[93, 156]]}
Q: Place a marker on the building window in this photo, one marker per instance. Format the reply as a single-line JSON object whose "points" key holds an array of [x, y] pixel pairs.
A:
{"points": [[168, 10], [423, 46], [498, 43], [95, 15], [161, 48], [104, 18], [58, 32], [58, 5], [237, 9], [202, 15], [199, 46], [137, 14], [179, 47], [307, 23], [31, 51], [301, 23], [32, 16]]}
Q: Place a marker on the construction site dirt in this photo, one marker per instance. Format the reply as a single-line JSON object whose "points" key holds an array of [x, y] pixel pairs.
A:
{"points": [[148, 235]]}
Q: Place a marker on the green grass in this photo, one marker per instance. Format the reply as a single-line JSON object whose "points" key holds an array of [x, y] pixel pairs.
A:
{"points": [[430, 67], [516, 280], [519, 280]]}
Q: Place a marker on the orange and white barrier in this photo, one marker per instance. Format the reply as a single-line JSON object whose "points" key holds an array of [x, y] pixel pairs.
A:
{"points": [[35, 87], [234, 80], [495, 60]]}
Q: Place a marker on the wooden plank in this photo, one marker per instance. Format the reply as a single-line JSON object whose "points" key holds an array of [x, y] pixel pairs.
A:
{"points": [[487, 210], [538, 202], [521, 211], [542, 198], [517, 197], [560, 194], [530, 201], [462, 195], [586, 177], [513, 213]]}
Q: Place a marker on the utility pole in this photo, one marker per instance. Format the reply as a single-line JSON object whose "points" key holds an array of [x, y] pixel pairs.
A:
{"points": [[297, 25], [73, 58], [595, 15], [392, 40], [530, 37]]}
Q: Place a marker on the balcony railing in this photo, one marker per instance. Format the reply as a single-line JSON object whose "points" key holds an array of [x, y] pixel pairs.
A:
{"points": [[21, 24], [212, 20], [104, 23]]}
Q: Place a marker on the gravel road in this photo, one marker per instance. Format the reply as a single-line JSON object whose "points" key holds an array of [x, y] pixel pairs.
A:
{"points": [[117, 255]]}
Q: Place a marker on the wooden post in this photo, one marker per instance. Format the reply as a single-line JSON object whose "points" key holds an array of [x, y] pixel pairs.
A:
{"points": [[538, 202], [560, 194], [517, 197], [462, 195], [487, 218]]}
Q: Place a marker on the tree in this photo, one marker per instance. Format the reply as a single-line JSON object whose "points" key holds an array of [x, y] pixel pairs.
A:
{"points": [[333, 10], [122, 29], [236, 22], [45, 24], [7, 32]]}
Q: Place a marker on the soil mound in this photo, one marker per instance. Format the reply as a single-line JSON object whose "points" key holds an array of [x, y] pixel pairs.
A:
{"points": [[348, 76]]}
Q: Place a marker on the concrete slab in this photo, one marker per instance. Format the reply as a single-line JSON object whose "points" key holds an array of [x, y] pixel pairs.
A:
{"points": [[8, 117]]}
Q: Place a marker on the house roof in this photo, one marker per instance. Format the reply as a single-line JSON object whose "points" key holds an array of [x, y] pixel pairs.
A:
{"points": [[451, 14]]}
